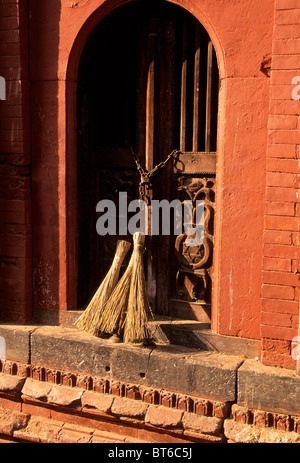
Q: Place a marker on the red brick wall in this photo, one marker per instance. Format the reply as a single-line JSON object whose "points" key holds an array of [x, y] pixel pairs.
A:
{"points": [[15, 197], [281, 263]]}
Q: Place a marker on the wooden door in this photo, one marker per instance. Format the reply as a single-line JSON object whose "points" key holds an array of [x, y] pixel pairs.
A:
{"points": [[149, 82]]}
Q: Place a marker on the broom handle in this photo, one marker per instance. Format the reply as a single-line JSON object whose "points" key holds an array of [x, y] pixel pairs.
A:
{"points": [[121, 251], [138, 247], [138, 240]]}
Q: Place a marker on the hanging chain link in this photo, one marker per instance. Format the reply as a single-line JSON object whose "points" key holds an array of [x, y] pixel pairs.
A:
{"points": [[162, 164], [145, 175]]}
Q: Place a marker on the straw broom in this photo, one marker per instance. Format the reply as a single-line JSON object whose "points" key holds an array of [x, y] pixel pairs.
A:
{"points": [[128, 308], [135, 324], [92, 317], [116, 306]]}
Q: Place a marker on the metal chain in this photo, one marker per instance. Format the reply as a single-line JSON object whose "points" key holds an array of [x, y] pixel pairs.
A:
{"points": [[138, 164], [173, 154], [145, 175], [148, 174]]}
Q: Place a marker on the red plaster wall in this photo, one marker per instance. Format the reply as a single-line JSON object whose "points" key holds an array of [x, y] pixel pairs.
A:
{"points": [[281, 261], [241, 152], [256, 283], [15, 195]]}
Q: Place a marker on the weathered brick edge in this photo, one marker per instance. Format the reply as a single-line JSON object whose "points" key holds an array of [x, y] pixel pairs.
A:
{"points": [[46, 405], [139, 413], [116, 388]]}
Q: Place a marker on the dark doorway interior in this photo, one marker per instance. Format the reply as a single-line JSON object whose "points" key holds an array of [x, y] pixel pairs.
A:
{"points": [[148, 81]]}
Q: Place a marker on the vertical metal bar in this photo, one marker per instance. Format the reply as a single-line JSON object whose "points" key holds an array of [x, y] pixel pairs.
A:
{"points": [[183, 96], [149, 148], [196, 112], [141, 93], [150, 101], [152, 39], [208, 118]]}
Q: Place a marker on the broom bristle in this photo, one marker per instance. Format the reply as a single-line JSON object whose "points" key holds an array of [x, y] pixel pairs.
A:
{"points": [[93, 315], [135, 324], [115, 307]]}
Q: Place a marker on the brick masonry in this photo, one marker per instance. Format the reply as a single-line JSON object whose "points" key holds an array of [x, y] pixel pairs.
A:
{"points": [[15, 165], [281, 261], [45, 410]]}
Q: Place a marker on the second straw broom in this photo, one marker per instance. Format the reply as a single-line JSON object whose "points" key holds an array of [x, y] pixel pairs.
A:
{"points": [[92, 317]]}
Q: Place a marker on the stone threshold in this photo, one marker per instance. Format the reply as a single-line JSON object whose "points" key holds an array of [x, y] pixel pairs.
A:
{"points": [[178, 369], [188, 333]]}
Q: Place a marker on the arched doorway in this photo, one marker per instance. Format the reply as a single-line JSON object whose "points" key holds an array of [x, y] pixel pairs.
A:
{"points": [[148, 83]]}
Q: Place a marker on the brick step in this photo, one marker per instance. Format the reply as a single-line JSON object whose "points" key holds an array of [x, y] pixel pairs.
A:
{"points": [[7, 440], [21, 427]]}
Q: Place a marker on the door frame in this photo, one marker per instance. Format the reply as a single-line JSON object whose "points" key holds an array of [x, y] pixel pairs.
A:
{"points": [[71, 144]]}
